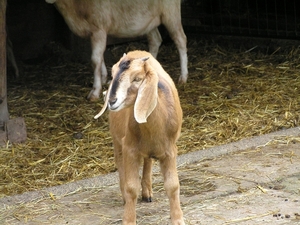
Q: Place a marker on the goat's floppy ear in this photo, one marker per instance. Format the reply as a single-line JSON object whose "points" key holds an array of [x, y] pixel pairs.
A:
{"points": [[147, 95]]}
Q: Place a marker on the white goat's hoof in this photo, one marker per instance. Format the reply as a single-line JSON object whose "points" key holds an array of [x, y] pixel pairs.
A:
{"points": [[182, 80], [92, 96], [104, 79]]}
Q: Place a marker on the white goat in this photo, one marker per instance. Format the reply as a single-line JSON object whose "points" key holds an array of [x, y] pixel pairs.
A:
{"points": [[145, 122], [127, 18]]}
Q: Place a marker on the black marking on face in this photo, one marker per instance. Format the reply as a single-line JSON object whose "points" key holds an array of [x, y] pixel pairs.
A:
{"points": [[124, 65]]}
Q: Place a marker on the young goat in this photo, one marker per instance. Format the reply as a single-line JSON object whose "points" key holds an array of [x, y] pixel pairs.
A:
{"points": [[96, 19], [145, 123]]}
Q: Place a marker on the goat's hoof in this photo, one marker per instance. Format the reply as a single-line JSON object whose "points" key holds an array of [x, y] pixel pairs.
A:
{"points": [[182, 80], [92, 97], [147, 199]]}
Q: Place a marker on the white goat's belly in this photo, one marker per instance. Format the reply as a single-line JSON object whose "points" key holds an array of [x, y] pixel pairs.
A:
{"points": [[134, 28]]}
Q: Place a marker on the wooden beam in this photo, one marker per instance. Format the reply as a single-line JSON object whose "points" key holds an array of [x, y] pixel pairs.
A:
{"points": [[4, 115]]}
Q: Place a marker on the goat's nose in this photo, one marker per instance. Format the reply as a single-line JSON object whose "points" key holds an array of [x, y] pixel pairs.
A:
{"points": [[112, 101]]}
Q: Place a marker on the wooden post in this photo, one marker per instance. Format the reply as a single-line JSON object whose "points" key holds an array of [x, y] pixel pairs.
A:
{"points": [[4, 115], [10, 130]]}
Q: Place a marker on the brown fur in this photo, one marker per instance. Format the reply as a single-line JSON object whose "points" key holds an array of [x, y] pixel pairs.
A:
{"points": [[136, 142]]}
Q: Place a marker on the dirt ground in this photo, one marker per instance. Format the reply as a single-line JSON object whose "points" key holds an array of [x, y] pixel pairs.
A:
{"points": [[237, 88], [253, 181]]}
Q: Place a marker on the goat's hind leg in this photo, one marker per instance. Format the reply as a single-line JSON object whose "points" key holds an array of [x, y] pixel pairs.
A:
{"points": [[103, 72], [171, 184], [154, 41], [147, 180], [174, 27]]}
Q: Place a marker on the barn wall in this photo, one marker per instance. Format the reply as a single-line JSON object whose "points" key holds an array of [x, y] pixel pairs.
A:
{"points": [[258, 18], [33, 24]]}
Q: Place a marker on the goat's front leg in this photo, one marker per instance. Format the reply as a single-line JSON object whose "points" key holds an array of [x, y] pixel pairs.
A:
{"points": [[131, 165], [147, 180], [119, 163], [171, 184], [98, 42]]}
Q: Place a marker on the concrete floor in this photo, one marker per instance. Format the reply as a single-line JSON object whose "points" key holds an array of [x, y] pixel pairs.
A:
{"points": [[252, 181]]}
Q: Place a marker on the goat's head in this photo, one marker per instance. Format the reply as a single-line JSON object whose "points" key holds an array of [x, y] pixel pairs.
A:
{"points": [[134, 84]]}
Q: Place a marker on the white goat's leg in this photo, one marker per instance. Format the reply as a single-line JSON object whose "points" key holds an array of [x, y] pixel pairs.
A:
{"points": [[154, 41], [178, 36], [98, 41], [131, 163], [103, 72], [171, 184], [147, 180], [180, 42]]}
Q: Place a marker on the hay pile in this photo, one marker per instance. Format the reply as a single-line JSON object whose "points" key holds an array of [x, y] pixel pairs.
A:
{"points": [[237, 88]]}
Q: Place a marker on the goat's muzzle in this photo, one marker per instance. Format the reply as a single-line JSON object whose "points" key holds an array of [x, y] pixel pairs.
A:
{"points": [[111, 103]]}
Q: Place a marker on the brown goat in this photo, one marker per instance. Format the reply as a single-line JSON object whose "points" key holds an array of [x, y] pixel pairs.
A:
{"points": [[145, 122], [96, 19]]}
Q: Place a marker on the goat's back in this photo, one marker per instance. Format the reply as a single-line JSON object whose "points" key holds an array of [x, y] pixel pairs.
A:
{"points": [[126, 18]]}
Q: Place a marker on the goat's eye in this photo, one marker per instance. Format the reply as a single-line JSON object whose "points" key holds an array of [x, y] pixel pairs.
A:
{"points": [[137, 79]]}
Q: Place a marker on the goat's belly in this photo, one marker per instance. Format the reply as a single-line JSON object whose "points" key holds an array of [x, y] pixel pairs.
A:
{"points": [[134, 28], [155, 150]]}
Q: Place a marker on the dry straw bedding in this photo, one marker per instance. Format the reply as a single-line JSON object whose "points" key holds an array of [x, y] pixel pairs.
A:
{"points": [[237, 88]]}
